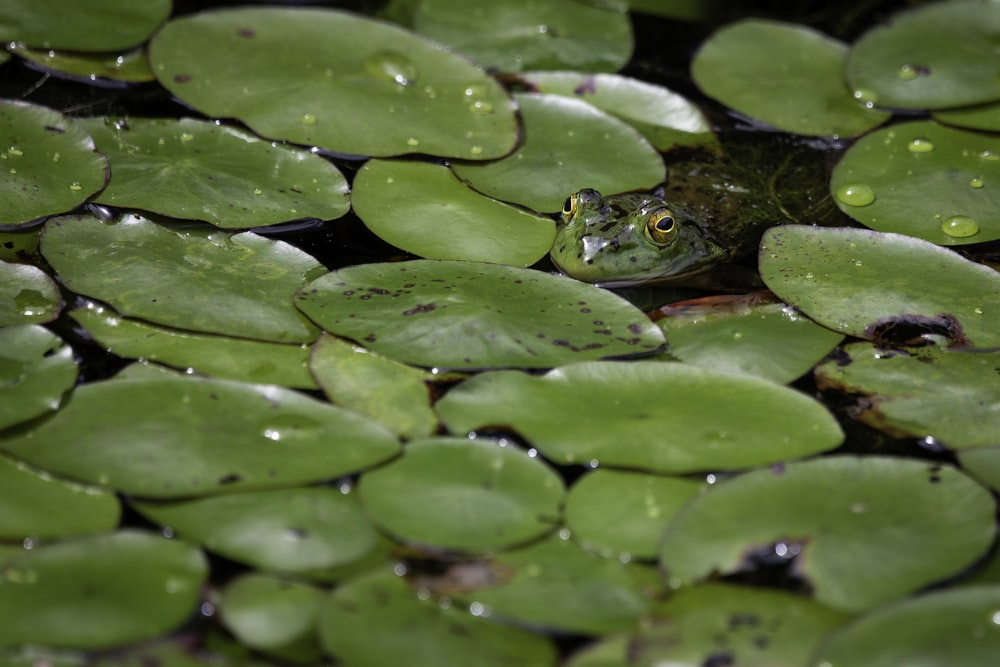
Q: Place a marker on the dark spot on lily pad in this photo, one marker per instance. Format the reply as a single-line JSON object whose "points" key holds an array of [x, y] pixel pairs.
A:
{"points": [[231, 478], [249, 33], [370, 338], [182, 78], [55, 130]]}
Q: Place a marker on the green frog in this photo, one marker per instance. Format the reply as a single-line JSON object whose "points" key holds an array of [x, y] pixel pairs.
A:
{"points": [[713, 209]]}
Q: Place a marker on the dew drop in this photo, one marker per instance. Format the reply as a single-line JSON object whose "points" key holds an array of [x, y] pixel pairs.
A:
{"points": [[475, 90], [75, 185], [481, 108], [308, 119], [960, 226], [919, 145], [977, 182], [186, 137], [258, 191], [13, 171], [988, 155], [868, 98], [909, 72], [391, 66], [15, 151], [476, 150], [856, 194], [978, 310], [413, 141]]}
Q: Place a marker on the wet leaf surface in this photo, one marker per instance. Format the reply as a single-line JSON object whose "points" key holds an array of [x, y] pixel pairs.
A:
{"points": [[27, 295], [97, 25], [36, 369]]}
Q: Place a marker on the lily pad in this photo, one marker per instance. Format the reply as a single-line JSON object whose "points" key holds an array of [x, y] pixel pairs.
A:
{"points": [[463, 495], [36, 369], [423, 209], [376, 89], [126, 66], [359, 616], [198, 436], [100, 591], [35, 506], [198, 170], [665, 118], [27, 295], [951, 397], [217, 356], [982, 117], [923, 179], [97, 25], [649, 415], [788, 76], [853, 526], [862, 283], [393, 394], [568, 145], [469, 315], [284, 530], [983, 463], [52, 163], [754, 334], [512, 35], [953, 628], [184, 276], [935, 56]]}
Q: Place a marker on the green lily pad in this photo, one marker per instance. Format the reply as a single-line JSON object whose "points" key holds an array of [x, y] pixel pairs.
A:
{"points": [[862, 283], [128, 66], [31, 656], [216, 356], [361, 614], [96, 25], [37, 506], [376, 89], [951, 397], [788, 76], [393, 394], [463, 495], [754, 334], [99, 591], [936, 56], [184, 276], [852, 524], [982, 117], [568, 145], [923, 179], [984, 464], [512, 35], [649, 415], [624, 513], [274, 616], [198, 436], [468, 315], [423, 209], [665, 118], [951, 628], [27, 295], [36, 369], [51, 163], [197, 170], [284, 530], [20, 245]]}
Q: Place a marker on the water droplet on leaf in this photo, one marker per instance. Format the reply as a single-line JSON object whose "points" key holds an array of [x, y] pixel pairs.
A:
{"points": [[977, 182], [856, 194], [919, 145], [960, 226], [391, 66], [75, 185], [308, 119]]}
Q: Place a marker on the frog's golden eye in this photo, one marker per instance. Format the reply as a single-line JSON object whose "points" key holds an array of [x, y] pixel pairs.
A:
{"points": [[569, 206], [661, 227]]}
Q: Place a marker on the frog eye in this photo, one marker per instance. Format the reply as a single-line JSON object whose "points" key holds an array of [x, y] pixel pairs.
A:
{"points": [[660, 227], [569, 206]]}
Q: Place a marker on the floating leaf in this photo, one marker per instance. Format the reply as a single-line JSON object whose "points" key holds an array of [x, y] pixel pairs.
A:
{"points": [[100, 591], [463, 495], [198, 436], [423, 209], [97, 25], [184, 276], [128, 66], [511, 35], [51, 163], [27, 295], [467, 315], [374, 90], [568, 145], [923, 179], [864, 283], [788, 76], [36, 369], [982, 117], [983, 463], [853, 525], [657, 416]]}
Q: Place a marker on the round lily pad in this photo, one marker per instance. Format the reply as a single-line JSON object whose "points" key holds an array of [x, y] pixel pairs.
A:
{"points": [[788, 76], [125, 66], [100, 591], [953, 628], [463, 494], [27, 295], [935, 56], [512, 35], [923, 179], [568, 145], [198, 436], [852, 524], [51, 163], [97, 25], [376, 89], [468, 315], [423, 209], [36, 369], [283, 530], [649, 415], [198, 170], [865, 283], [184, 276]]}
